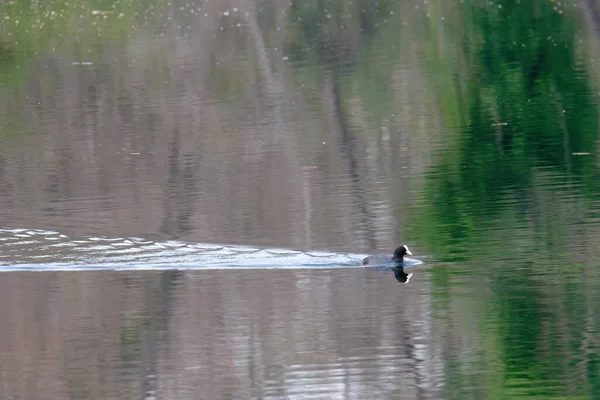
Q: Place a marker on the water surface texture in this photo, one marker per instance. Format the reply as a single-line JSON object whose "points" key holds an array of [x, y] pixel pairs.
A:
{"points": [[187, 189], [27, 249]]}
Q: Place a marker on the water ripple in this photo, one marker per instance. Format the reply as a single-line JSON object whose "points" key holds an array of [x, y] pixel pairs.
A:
{"points": [[33, 249]]}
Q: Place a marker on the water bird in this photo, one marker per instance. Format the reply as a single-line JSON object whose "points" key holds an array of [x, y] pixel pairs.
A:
{"points": [[400, 275], [380, 259]]}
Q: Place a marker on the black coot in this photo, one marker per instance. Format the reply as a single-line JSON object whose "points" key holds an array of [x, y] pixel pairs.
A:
{"points": [[380, 259]]}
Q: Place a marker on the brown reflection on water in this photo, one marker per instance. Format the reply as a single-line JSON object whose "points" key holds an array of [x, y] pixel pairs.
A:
{"points": [[201, 129], [349, 334]]}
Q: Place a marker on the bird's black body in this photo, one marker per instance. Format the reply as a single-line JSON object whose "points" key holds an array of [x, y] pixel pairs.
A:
{"points": [[381, 259]]}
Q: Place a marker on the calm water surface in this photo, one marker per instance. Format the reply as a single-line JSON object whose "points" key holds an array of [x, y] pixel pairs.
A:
{"points": [[187, 189], [218, 334]]}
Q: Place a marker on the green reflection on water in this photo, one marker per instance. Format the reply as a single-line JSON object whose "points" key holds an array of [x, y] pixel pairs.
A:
{"points": [[30, 29], [78, 33], [509, 197]]}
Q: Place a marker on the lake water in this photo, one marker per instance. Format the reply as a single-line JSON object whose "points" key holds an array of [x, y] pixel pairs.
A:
{"points": [[187, 190]]}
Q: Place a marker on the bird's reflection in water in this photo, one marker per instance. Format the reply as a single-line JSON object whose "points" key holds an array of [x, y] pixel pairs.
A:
{"points": [[400, 275], [397, 270]]}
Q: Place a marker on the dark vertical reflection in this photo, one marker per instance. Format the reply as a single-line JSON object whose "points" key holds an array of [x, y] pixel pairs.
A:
{"points": [[157, 330], [178, 204], [349, 150]]}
